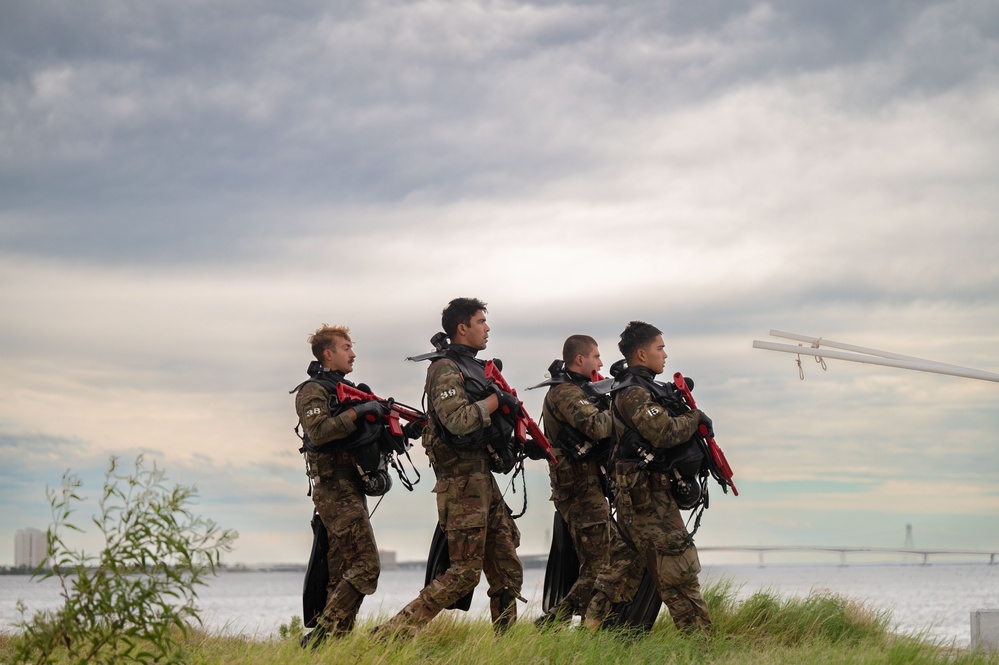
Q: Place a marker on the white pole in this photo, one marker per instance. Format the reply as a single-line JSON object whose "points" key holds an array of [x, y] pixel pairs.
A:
{"points": [[924, 366], [821, 341]]}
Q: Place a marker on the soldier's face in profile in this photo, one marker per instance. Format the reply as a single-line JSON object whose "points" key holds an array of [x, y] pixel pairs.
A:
{"points": [[653, 355], [476, 333], [591, 362], [340, 356]]}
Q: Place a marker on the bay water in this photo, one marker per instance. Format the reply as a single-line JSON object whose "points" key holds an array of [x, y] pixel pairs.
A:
{"points": [[934, 601]]}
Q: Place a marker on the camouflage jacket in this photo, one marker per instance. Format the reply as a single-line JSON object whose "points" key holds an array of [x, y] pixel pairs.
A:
{"points": [[636, 409], [322, 427], [449, 405], [566, 405]]}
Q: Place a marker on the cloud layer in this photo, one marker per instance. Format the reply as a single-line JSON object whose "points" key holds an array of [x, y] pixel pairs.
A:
{"points": [[186, 192]]}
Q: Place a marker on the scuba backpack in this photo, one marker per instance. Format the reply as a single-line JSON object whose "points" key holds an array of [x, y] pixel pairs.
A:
{"points": [[372, 446], [570, 440], [498, 437], [686, 464]]}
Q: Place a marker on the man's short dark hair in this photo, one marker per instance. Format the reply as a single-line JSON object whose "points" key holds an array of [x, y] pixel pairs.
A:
{"points": [[460, 310], [576, 345], [636, 335]]}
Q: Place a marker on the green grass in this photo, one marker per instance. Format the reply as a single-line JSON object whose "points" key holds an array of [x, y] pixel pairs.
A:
{"points": [[765, 628]]}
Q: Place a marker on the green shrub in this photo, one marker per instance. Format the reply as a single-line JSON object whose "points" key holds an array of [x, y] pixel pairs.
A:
{"points": [[292, 630], [133, 601]]}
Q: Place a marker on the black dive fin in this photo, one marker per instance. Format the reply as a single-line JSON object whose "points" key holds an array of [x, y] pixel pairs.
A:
{"points": [[317, 575], [562, 570], [641, 613], [437, 564]]}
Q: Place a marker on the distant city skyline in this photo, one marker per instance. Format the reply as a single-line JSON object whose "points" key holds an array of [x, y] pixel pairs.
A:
{"points": [[30, 548]]}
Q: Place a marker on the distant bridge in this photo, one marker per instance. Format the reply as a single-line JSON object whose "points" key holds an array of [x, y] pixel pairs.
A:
{"points": [[843, 551], [540, 560]]}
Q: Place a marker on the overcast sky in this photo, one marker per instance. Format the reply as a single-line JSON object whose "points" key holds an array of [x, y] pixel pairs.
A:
{"points": [[187, 190]]}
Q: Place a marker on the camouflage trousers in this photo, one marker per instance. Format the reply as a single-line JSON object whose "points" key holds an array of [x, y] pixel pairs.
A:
{"points": [[354, 564], [606, 562], [650, 517], [481, 537]]}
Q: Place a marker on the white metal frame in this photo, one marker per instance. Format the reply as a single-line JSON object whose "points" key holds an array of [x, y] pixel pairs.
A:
{"points": [[860, 354]]}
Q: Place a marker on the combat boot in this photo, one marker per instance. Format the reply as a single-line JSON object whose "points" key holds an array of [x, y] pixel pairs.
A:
{"points": [[560, 614], [409, 620], [597, 611], [315, 638], [503, 608]]}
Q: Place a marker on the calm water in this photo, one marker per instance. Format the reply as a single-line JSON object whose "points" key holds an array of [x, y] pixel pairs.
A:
{"points": [[935, 600]]}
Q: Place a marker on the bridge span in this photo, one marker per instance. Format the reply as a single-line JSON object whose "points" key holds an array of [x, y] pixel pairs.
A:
{"points": [[761, 550]]}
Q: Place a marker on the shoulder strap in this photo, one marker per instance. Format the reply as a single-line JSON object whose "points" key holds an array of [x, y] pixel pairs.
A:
{"points": [[326, 378]]}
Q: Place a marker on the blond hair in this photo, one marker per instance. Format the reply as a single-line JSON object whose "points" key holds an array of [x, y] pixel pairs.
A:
{"points": [[325, 337]]}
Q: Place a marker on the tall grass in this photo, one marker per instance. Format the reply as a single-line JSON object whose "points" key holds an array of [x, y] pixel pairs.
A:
{"points": [[764, 628]]}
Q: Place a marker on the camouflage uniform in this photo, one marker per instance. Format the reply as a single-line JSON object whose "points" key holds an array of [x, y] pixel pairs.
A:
{"points": [[354, 564], [481, 533], [606, 562], [646, 509]]}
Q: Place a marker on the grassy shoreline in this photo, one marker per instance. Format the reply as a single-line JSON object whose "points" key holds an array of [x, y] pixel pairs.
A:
{"points": [[822, 628]]}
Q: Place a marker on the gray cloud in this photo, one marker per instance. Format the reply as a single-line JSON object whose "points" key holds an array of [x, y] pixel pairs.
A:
{"points": [[187, 192], [248, 108]]}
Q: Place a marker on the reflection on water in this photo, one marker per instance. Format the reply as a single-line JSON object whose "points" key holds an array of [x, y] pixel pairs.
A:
{"points": [[935, 599]]}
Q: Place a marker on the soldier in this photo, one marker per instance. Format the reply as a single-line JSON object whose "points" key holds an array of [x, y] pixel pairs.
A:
{"points": [[578, 424], [463, 424], [646, 509], [329, 428]]}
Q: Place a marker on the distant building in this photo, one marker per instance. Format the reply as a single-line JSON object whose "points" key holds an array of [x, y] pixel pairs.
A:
{"points": [[29, 548], [388, 559]]}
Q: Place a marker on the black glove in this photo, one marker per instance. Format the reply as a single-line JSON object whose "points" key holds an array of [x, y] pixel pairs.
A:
{"points": [[534, 450], [414, 430], [704, 420], [507, 403], [373, 410]]}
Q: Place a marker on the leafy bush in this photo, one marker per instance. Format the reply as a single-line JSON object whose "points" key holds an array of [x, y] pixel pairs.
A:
{"points": [[292, 630], [133, 600]]}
